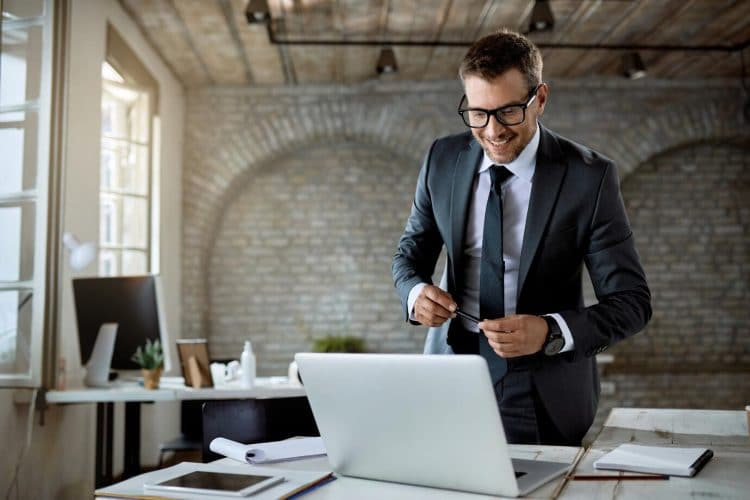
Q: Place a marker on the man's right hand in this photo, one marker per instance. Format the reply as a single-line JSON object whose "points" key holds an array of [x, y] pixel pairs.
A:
{"points": [[434, 307]]}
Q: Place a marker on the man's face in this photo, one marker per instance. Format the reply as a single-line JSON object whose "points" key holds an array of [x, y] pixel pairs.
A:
{"points": [[504, 143]]}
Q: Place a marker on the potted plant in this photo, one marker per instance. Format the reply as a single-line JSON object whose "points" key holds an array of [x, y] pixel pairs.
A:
{"points": [[151, 360], [330, 343], [335, 343]]}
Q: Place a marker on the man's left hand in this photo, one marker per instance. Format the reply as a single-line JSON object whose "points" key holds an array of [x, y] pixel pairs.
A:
{"points": [[517, 335]]}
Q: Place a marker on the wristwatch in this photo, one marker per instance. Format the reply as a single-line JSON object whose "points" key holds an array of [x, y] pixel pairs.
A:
{"points": [[555, 340]]}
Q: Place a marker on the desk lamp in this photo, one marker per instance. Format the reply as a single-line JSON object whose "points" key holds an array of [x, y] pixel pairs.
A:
{"points": [[81, 254]]}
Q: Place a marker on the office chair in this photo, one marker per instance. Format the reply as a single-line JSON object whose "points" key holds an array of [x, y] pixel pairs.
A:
{"points": [[191, 430], [255, 421], [191, 416]]}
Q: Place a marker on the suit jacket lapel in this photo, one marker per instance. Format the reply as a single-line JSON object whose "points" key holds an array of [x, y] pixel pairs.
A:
{"points": [[467, 163], [548, 176]]}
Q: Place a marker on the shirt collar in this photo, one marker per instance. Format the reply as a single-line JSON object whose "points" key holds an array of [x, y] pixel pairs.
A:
{"points": [[524, 165]]}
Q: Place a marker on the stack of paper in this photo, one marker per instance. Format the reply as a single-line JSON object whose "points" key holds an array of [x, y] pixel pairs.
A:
{"points": [[655, 459]]}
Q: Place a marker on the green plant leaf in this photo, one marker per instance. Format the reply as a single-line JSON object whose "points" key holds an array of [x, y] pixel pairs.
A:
{"points": [[336, 343], [150, 356]]}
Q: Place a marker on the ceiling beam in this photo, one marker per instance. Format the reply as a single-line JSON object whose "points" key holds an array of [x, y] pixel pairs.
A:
{"points": [[185, 32], [226, 8]]}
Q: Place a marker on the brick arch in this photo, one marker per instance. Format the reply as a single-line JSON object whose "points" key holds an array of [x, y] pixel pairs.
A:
{"points": [[688, 207], [678, 126], [399, 128], [309, 240], [247, 153]]}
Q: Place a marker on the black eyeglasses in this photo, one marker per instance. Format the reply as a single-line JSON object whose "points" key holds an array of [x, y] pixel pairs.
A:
{"points": [[507, 115]]}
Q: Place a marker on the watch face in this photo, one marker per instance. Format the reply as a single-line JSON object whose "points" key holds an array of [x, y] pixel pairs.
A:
{"points": [[554, 346]]}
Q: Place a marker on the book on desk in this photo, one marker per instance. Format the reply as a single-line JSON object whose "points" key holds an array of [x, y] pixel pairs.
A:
{"points": [[671, 461]]}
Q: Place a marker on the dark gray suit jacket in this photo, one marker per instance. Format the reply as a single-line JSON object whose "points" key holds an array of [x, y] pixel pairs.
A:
{"points": [[575, 217]]}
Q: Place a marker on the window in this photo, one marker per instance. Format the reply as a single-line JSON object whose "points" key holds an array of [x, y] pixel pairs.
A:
{"points": [[25, 111], [125, 175]]}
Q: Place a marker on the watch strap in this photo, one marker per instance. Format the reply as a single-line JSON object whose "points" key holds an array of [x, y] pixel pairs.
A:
{"points": [[555, 340]]}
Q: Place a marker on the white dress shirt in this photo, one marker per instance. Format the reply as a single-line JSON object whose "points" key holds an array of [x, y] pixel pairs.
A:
{"points": [[516, 194]]}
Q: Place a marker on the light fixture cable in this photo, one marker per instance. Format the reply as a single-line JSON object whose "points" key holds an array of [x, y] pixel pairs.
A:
{"points": [[26, 446], [745, 86]]}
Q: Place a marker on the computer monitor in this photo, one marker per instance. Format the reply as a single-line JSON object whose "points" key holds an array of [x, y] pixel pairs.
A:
{"points": [[133, 303]]}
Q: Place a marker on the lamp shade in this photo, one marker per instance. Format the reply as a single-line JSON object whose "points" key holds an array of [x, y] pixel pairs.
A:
{"points": [[81, 254], [387, 62], [257, 11], [541, 17], [633, 66]]}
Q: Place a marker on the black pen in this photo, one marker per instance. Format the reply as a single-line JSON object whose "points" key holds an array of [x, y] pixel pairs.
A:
{"points": [[467, 316], [612, 477]]}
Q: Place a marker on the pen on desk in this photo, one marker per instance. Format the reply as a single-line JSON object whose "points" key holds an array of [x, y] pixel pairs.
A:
{"points": [[314, 486], [610, 477]]}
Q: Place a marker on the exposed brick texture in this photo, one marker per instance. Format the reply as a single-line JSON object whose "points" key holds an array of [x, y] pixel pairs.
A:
{"points": [[690, 211], [305, 251], [295, 198]]}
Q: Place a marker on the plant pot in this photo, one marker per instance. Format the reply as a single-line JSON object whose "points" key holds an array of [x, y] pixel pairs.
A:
{"points": [[151, 378]]}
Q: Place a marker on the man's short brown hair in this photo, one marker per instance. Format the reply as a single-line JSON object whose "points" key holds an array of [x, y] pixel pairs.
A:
{"points": [[494, 54]]}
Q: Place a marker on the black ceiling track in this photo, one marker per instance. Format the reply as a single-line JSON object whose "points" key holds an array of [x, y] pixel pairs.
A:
{"points": [[272, 26]]}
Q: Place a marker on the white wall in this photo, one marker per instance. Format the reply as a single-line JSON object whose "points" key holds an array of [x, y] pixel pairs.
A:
{"points": [[60, 463]]}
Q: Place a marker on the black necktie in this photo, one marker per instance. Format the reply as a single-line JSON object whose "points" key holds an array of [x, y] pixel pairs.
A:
{"points": [[492, 269]]}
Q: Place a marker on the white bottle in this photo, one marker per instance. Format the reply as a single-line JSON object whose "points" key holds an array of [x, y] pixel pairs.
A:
{"points": [[247, 360]]}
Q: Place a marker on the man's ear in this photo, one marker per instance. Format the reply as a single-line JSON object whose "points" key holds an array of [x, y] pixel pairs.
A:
{"points": [[541, 97]]}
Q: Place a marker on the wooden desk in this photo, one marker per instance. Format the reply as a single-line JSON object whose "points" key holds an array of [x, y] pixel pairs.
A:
{"points": [[727, 475], [133, 395]]}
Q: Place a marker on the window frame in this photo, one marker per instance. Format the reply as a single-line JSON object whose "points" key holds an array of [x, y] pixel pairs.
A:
{"points": [[41, 284], [117, 197]]}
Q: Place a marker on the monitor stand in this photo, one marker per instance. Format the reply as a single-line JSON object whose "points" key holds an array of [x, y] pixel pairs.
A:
{"points": [[97, 369]]}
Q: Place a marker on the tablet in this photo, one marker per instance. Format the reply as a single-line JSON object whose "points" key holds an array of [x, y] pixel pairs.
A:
{"points": [[215, 483]]}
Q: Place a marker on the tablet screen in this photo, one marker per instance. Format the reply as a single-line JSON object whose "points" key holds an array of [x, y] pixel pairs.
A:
{"points": [[214, 481]]}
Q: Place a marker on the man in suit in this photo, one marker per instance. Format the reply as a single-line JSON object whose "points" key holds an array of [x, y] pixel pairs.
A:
{"points": [[520, 210]]}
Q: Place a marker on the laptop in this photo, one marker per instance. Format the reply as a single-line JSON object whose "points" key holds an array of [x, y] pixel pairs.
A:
{"points": [[416, 419]]}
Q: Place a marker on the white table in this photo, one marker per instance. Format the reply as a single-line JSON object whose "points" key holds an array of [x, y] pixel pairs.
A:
{"points": [[363, 489], [131, 391], [132, 394], [727, 474]]}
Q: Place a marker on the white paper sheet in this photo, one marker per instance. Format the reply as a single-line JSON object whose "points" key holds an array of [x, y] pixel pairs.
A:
{"points": [[275, 451]]}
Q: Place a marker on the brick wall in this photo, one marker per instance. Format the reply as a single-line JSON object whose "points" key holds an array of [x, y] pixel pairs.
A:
{"points": [[295, 197], [305, 251], [690, 211]]}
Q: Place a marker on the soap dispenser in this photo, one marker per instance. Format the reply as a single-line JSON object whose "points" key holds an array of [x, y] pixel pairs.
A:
{"points": [[247, 361]]}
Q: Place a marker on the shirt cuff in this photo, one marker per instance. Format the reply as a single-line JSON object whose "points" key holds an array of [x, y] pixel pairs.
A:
{"points": [[413, 294], [569, 344]]}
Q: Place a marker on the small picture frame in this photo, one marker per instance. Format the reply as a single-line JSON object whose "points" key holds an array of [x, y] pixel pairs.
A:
{"points": [[194, 361]]}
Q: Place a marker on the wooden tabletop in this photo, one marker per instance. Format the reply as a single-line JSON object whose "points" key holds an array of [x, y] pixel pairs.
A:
{"points": [[727, 475]]}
